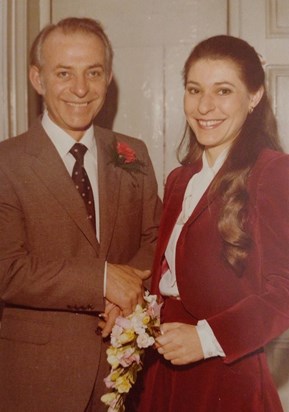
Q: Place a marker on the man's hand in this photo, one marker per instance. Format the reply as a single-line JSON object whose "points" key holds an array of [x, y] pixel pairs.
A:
{"points": [[108, 318], [124, 286], [179, 343]]}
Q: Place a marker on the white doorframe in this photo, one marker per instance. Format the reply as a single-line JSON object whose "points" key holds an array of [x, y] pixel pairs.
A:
{"points": [[4, 100]]}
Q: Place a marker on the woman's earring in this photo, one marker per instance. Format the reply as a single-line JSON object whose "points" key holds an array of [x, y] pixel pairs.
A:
{"points": [[251, 108]]}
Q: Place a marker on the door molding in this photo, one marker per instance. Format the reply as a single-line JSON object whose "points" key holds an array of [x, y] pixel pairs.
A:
{"points": [[275, 27]]}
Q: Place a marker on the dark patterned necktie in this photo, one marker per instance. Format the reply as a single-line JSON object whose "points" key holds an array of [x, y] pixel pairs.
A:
{"points": [[81, 180]]}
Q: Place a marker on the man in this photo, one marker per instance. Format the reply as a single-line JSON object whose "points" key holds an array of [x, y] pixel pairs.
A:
{"points": [[60, 256]]}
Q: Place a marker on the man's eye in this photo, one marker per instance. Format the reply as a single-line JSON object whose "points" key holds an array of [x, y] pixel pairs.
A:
{"points": [[95, 73], [63, 75]]}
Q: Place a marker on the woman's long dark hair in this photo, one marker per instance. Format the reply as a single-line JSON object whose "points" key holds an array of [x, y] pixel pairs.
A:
{"points": [[259, 131]]}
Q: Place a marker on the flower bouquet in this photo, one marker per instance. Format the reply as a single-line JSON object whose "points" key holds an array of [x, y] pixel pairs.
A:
{"points": [[129, 338]]}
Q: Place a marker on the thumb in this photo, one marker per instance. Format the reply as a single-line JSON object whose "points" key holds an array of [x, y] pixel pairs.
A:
{"points": [[166, 327], [142, 274]]}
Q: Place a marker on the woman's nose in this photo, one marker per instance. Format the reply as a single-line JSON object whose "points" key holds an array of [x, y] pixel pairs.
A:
{"points": [[206, 103]]}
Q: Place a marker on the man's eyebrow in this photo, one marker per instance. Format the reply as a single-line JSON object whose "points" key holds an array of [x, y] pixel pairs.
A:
{"points": [[92, 66]]}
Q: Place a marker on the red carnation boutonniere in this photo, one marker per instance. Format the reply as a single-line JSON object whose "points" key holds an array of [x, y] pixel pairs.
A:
{"points": [[125, 157]]}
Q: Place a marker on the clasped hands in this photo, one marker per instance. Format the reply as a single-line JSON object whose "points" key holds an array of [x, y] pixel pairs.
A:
{"points": [[124, 290], [178, 342]]}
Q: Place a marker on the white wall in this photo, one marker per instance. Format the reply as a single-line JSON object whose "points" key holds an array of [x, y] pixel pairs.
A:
{"points": [[13, 68]]}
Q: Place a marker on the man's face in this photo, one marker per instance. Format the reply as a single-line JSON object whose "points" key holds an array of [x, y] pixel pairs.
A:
{"points": [[72, 79]]}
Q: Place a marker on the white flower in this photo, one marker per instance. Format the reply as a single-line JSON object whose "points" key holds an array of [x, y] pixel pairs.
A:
{"points": [[115, 335], [150, 298], [144, 340]]}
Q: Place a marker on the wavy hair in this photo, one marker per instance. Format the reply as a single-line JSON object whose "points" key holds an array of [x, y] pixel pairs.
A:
{"points": [[258, 132]]}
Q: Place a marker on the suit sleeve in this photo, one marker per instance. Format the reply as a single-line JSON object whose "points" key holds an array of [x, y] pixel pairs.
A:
{"points": [[46, 275], [263, 315], [151, 211]]}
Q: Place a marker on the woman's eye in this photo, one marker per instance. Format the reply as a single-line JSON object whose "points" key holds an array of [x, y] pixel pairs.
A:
{"points": [[192, 90], [224, 92]]}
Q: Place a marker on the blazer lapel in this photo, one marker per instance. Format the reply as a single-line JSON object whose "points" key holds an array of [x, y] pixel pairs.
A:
{"points": [[205, 201], [173, 207], [203, 204], [49, 167], [174, 202]]}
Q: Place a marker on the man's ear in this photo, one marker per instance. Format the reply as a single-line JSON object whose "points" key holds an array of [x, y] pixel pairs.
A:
{"points": [[35, 79]]}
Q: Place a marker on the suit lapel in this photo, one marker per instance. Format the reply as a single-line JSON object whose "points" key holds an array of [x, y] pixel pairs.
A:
{"points": [[109, 178], [49, 167]]}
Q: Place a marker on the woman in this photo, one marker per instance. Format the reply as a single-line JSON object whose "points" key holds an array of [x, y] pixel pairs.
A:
{"points": [[222, 261]]}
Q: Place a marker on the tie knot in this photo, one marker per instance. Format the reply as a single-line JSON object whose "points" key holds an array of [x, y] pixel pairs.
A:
{"points": [[78, 150]]}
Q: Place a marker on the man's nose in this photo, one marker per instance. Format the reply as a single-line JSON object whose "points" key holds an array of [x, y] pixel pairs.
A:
{"points": [[79, 85]]}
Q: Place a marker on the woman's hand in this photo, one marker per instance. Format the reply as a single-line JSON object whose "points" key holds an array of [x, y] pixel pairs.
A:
{"points": [[179, 343]]}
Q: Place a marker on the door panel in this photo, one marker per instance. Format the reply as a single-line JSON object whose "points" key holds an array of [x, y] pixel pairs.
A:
{"points": [[270, 37]]}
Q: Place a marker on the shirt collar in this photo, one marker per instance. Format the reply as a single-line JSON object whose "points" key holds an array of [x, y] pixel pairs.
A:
{"points": [[62, 140], [218, 162]]}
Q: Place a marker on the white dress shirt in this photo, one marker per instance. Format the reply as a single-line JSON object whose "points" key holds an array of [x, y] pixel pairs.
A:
{"points": [[196, 187]]}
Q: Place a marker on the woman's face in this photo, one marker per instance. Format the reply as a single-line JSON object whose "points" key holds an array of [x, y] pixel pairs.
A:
{"points": [[216, 103]]}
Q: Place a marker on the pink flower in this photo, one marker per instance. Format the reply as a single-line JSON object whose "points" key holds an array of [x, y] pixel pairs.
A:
{"points": [[108, 382], [154, 309], [129, 357], [123, 323]]}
